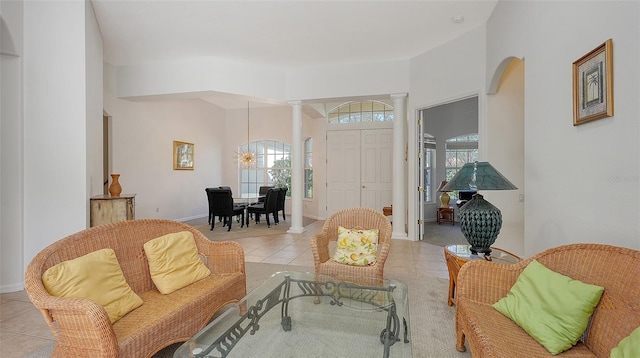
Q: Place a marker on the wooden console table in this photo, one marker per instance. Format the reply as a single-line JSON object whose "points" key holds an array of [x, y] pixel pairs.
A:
{"points": [[458, 255], [107, 209]]}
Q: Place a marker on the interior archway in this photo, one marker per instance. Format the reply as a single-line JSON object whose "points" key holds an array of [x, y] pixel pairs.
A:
{"points": [[505, 148]]}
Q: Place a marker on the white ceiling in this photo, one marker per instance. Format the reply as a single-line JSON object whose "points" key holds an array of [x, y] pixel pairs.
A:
{"points": [[288, 34]]}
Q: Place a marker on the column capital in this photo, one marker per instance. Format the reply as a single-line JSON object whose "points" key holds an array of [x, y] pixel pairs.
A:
{"points": [[295, 103]]}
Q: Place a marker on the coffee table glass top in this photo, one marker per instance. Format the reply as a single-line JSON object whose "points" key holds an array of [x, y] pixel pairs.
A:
{"points": [[296, 314]]}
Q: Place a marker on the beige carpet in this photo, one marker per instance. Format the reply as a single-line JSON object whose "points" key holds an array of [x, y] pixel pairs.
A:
{"points": [[220, 233], [431, 320]]}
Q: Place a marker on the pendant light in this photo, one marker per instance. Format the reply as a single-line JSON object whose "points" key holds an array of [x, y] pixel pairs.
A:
{"points": [[247, 158]]}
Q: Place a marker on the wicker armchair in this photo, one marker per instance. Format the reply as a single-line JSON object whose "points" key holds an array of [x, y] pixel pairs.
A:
{"points": [[364, 218], [82, 327], [490, 334]]}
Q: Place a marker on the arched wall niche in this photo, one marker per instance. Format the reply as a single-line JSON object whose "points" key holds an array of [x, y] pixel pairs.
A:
{"points": [[505, 148], [498, 73], [7, 45]]}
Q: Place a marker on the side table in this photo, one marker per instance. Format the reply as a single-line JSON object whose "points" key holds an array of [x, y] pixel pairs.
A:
{"points": [[446, 215], [458, 255]]}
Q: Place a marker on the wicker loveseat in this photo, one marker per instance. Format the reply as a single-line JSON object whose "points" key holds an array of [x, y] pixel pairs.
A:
{"points": [[82, 327], [491, 334]]}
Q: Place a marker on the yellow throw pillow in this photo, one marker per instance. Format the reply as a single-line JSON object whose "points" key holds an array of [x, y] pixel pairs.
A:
{"points": [[174, 262], [356, 246], [96, 276]]}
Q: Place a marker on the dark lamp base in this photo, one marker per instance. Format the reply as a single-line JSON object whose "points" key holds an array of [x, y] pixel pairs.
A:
{"points": [[480, 222], [482, 250]]}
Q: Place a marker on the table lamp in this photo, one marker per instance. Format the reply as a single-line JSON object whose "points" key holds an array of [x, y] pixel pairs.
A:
{"points": [[444, 197], [480, 221]]}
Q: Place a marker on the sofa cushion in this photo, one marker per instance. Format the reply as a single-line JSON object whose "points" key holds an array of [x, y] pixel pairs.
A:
{"points": [[96, 276], [174, 262], [356, 246], [553, 308], [628, 347]]}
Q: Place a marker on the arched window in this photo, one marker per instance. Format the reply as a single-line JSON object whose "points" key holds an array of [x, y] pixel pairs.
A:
{"points": [[459, 151], [361, 112], [308, 168], [272, 166]]}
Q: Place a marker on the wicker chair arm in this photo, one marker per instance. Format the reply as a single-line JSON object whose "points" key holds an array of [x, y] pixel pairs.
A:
{"points": [[79, 323], [320, 247], [485, 281], [222, 256], [383, 253]]}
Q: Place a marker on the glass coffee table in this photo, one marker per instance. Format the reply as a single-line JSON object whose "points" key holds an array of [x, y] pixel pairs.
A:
{"points": [[296, 314]]}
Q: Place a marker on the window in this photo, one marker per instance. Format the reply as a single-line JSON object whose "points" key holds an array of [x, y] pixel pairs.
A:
{"points": [[459, 151], [308, 168], [358, 112], [272, 167], [428, 155]]}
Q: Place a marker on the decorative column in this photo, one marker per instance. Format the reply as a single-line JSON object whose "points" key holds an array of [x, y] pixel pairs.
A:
{"points": [[399, 184], [297, 170]]}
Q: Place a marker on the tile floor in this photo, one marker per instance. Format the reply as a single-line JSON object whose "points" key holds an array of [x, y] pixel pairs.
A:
{"points": [[23, 330]]}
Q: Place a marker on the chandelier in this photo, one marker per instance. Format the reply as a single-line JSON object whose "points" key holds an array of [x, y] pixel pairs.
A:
{"points": [[246, 158]]}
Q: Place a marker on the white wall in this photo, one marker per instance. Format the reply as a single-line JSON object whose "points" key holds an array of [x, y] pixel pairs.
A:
{"points": [[11, 149], [142, 153], [142, 143], [94, 115], [55, 103], [583, 182], [452, 71]]}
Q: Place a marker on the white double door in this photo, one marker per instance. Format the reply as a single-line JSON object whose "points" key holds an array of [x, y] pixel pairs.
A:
{"points": [[359, 169]]}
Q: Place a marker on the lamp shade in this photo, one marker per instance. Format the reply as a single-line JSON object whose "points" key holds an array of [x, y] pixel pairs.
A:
{"points": [[480, 221], [478, 176], [442, 184]]}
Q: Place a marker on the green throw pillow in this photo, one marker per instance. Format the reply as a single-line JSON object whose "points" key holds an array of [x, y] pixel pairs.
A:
{"points": [[552, 308], [628, 347]]}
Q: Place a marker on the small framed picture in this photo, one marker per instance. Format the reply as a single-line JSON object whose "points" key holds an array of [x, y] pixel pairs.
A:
{"points": [[593, 85], [182, 156]]}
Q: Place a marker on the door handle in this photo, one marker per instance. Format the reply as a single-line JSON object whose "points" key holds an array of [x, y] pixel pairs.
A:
{"points": [[363, 186]]}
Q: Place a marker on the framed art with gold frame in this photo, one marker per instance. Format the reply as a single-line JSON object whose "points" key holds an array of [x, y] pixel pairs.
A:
{"points": [[182, 155], [593, 84]]}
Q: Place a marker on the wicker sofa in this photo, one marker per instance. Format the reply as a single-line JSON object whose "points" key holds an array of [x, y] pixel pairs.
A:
{"points": [[82, 327], [491, 334]]}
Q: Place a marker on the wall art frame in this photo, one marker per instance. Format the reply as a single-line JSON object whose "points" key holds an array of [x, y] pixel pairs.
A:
{"points": [[183, 158], [593, 84]]}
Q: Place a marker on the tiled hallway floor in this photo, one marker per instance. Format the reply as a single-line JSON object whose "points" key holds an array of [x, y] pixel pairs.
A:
{"points": [[23, 329]]}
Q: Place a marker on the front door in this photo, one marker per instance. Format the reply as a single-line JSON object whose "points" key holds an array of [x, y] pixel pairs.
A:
{"points": [[359, 169]]}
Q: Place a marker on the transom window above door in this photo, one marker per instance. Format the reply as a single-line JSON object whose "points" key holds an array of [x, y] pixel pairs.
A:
{"points": [[361, 112]]}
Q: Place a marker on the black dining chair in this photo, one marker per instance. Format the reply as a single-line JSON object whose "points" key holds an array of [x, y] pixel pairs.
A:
{"points": [[282, 195], [268, 206], [221, 204], [262, 192]]}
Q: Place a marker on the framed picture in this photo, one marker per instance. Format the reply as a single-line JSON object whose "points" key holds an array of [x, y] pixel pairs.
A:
{"points": [[182, 156], [593, 85]]}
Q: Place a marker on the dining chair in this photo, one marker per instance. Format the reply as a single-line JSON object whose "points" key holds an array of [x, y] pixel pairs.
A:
{"points": [[221, 204], [282, 195], [268, 206]]}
